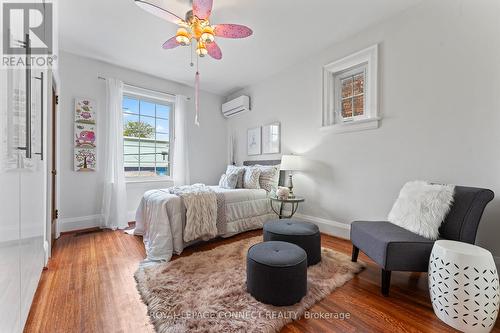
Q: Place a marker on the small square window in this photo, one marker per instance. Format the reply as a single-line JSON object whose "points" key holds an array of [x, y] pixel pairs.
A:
{"points": [[350, 91]]}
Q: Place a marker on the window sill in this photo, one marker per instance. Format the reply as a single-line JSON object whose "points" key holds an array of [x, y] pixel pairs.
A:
{"points": [[352, 126], [148, 180]]}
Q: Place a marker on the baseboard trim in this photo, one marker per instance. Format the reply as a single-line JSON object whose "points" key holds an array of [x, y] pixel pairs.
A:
{"points": [[328, 227], [78, 223]]}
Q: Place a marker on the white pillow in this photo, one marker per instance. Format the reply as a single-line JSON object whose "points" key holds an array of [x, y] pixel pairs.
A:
{"points": [[228, 181], [422, 207], [251, 178], [239, 170], [269, 177]]}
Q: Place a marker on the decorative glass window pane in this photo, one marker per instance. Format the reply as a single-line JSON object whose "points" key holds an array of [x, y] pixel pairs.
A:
{"points": [[147, 109], [359, 109], [347, 87], [347, 108], [359, 82], [130, 105]]}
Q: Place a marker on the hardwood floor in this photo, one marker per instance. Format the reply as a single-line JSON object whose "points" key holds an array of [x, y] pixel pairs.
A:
{"points": [[89, 287]]}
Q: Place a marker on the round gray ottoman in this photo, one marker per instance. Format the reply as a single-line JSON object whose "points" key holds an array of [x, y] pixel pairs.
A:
{"points": [[277, 273], [304, 234]]}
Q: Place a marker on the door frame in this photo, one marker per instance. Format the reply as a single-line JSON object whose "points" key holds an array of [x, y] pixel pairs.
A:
{"points": [[53, 156]]}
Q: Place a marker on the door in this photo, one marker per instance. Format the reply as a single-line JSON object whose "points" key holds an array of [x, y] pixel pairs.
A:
{"points": [[10, 277], [53, 176]]}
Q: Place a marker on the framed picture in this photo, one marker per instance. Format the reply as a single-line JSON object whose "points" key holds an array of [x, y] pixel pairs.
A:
{"points": [[271, 138], [85, 135], [253, 141], [85, 159], [84, 111]]}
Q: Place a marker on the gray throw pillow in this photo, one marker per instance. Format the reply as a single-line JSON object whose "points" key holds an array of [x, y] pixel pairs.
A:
{"points": [[239, 171], [228, 181]]}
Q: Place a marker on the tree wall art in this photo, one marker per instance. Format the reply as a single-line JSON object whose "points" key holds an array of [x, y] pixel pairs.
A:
{"points": [[85, 139]]}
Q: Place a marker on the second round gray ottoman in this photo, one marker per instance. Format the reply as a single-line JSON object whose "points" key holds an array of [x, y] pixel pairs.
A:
{"points": [[301, 233], [277, 273]]}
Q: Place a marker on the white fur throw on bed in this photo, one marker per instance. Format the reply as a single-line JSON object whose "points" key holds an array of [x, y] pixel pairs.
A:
{"points": [[421, 207], [201, 211]]}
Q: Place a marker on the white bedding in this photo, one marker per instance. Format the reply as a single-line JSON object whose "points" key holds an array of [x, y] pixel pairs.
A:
{"points": [[160, 218]]}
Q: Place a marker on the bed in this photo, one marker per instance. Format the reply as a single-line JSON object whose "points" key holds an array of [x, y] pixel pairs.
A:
{"points": [[161, 216]]}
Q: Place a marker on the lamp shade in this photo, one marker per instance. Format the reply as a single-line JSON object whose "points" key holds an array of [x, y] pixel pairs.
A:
{"points": [[291, 163]]}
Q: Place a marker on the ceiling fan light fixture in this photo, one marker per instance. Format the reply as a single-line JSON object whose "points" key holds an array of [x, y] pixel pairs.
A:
{"points": [[183, 37], [207, 35], [201, 49]]}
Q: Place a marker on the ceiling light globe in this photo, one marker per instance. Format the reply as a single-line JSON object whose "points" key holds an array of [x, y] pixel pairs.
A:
{"points": [[207, 35], [182, 36], [201, 50]]}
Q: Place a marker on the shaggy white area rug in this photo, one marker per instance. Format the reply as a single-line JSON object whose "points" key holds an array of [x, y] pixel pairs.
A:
{"points": [[206, 291]]}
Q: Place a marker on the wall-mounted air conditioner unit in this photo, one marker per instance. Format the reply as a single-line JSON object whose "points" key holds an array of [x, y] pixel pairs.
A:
{"points": [[236, 106]]}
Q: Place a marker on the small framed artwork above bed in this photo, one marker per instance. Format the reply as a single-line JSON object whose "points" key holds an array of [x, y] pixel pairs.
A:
{"points": [[254, 141], [271, 138]]}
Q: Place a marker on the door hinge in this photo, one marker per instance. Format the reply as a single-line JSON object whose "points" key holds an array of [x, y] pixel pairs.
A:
{"points": [[54, 172], [56, 214], [57, 99]]}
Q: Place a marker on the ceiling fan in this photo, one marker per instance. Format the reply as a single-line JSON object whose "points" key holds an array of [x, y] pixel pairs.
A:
{"points": [[196, 28]]}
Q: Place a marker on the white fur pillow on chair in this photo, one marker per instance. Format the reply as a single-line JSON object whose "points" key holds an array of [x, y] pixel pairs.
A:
{"points": [[422, 207]]}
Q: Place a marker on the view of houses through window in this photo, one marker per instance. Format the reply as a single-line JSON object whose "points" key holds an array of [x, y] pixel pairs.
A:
{"points": [[353, 95], [146, 137]]}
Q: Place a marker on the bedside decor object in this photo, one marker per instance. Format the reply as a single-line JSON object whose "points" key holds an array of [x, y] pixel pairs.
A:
{"points": [[463, 286], [301, 233], [84, 141], [271, 138], [277, 273], [282, 192], [294, 202], [291, 163], [253, 141]]}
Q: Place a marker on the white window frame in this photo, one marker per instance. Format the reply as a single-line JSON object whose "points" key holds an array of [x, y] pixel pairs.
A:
{"points": [[365, 60], [158, 98]]}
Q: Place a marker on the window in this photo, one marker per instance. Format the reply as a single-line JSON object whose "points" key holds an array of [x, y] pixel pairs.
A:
{"points": [[147, 130], [350, 92]]}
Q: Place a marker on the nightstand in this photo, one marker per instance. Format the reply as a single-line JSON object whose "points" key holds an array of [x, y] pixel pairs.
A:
{"points": [[294, 202]]}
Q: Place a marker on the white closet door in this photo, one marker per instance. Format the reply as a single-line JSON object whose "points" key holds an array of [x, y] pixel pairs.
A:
{"points": [[10, 277], [32, 209]]}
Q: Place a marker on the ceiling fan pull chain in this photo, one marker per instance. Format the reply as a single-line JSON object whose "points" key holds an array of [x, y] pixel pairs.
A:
{"points": [[197, 98], [191, 54]]}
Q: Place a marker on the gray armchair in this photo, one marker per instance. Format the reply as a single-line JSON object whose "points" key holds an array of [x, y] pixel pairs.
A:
{"points": [[397, 249]]}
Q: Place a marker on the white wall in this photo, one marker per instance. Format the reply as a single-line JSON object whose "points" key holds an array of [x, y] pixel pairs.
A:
{"points": [[439, 96], [80, 197]]}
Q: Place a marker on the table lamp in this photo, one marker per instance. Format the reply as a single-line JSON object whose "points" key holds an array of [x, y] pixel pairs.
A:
{"points": [[291, 163]]}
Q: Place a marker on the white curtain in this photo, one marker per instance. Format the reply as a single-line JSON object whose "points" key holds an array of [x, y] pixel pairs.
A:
{"points": [[180, 167], [114, 201]]}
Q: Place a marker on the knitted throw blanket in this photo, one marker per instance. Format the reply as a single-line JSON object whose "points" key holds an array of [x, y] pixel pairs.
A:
{"points": [[203, 218]]}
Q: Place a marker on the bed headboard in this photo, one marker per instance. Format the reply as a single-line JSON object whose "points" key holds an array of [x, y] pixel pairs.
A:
{"points": [[281, 181]]}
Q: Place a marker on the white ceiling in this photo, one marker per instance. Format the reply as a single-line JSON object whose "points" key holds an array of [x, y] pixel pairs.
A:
{"points": [[285, 31]]}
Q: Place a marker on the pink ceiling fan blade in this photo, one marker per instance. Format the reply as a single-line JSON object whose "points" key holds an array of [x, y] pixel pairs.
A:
{"points": [[152, 6], [202, 8], [170, 44], [214, 50], [232, 31]]}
